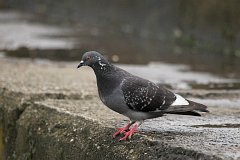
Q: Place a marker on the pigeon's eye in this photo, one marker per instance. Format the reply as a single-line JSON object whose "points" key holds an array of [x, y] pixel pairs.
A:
{"points": [[88, 58]]}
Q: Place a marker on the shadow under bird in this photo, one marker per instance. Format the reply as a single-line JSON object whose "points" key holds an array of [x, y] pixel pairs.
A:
{"points": [[137, 98]]}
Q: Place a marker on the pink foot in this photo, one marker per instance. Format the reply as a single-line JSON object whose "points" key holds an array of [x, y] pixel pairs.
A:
{"points": [[123, 129], [130, 133]]}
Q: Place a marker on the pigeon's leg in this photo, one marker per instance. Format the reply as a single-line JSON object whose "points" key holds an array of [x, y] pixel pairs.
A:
{"points": [[132, 131], [123, 129]]}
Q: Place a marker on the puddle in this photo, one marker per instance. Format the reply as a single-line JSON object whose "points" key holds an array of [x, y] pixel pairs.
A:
{"points": [[16, 31], [21, 38], [180, 76]]}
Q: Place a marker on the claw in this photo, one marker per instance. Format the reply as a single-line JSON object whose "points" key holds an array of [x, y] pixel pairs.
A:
{"points": [[120, 130], [130, 133], [123, 129]]}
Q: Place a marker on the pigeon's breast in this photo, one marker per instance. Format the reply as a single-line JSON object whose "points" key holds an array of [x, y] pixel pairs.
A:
{"points": [[106, 85], [111, 96], [115, 101]]}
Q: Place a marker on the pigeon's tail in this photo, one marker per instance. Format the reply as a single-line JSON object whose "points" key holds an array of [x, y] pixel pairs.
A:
{"points": [[187, 109]]}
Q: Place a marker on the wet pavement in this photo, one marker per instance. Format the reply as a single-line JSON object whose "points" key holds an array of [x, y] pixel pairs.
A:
{"points": [[16, 31], [21, 36], [180, 76]]}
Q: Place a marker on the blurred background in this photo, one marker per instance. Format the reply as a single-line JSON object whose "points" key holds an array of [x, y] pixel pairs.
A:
{"points": [[187, 37]]}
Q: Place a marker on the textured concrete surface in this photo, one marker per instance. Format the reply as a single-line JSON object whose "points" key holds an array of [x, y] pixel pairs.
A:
{"points": [[52, 111]]}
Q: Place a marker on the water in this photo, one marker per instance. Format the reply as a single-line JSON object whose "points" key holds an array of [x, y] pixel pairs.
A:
{"points": [[181, 77], [16, 31], [21, 37], [177, 31]]}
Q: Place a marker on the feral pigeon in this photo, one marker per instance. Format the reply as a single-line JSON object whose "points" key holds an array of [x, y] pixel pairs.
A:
{"points": [[134, 97]]}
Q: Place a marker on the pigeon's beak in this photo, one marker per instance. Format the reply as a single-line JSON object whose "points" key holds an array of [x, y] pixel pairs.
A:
{"points": [[81, 64]]}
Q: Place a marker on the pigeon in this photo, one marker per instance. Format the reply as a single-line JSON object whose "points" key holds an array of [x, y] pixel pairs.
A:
{"points": [[135, 97]]}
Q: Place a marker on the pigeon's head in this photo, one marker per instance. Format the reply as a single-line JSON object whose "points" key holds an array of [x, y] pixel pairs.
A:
{"points": [[93, 59]]}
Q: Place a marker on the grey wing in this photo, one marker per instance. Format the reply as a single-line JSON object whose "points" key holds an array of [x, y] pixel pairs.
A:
{"points": [[143, 95]]}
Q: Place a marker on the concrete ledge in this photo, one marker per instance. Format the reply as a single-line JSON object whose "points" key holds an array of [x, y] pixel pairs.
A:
{"points": [[52, 112], [44, 131]]}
